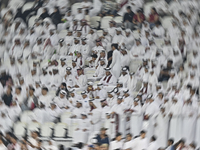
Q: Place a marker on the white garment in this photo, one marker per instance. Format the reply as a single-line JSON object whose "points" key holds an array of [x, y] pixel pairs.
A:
{"points": [[153, 145], [109, 80], [175, 123], [136, 120], [116, 145], [116, 63], [159, 31], [81, 81], [139, 143], [3, 147], [161, 129], [96, 120], [151, 110], [79, 135], [119, 110], [97, 4], [45, 99], [189, 122], [5, 124], [100, 71]]}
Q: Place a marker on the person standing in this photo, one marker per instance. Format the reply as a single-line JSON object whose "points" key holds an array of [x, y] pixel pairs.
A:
{"points": [[161, 127], [82, 131], [141, 142], [189, 116], [136, 117], [116, 61], [197, 139], [117, 143], [7, 97], [175, 122], [95, 115], [127, 19]]}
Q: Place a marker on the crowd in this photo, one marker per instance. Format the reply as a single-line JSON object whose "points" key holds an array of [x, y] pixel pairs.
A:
{"points": [[123, 91]]}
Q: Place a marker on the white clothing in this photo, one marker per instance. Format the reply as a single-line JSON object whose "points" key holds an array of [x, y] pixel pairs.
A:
{"points": [[109, 80], [116, 145], [139, 144], [79, 135], [45, 99], [116, 63], [81, 81], [175, 123], [161, 129], [136, 120]]}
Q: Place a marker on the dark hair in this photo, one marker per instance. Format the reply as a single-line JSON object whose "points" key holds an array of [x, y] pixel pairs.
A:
{"points": [[158, 22], [153, 138], [79, 145], [128, 7], [61, 147], [45, 88], [14, 137], [142, 132], [118, 134], [139, 11], [115, 45], [154, 9], [87, 11], [32, 88], [46, 9], [170, 61], [171, 141], [129, 134], [19, 88], [10, 88], [64, 84], [182, 141]]}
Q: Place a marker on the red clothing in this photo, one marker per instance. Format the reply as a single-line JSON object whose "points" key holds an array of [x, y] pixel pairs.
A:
{"points": [[152, 17], [142, 17]]}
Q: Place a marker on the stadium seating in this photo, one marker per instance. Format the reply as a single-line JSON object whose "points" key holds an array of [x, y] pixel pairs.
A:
{"points": [[100, 33], [62, 33], [46, 130], [147, 8], [27, 116], [31, 21], [105, 22], [65, 116], [33, 126], [60, 131], [19, 129], [27, 6], [94, 21], [167, 22], [75, 7]]}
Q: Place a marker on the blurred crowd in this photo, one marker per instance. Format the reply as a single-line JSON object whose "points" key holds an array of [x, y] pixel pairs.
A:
{"points": [[132, 86]]}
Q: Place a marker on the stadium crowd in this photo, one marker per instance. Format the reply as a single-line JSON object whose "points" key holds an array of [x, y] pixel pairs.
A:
{"points": [[135, 86]]}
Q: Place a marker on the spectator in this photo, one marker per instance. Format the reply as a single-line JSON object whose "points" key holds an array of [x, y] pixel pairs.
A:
{"points": [[158, 31], [128, 18], [44, 14], [138, 19], [56, 16], [102, 138], [7, 97], [87, 17], [170, 145], [153, 17], [117, 143], [31, 100], [165, 72]]}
